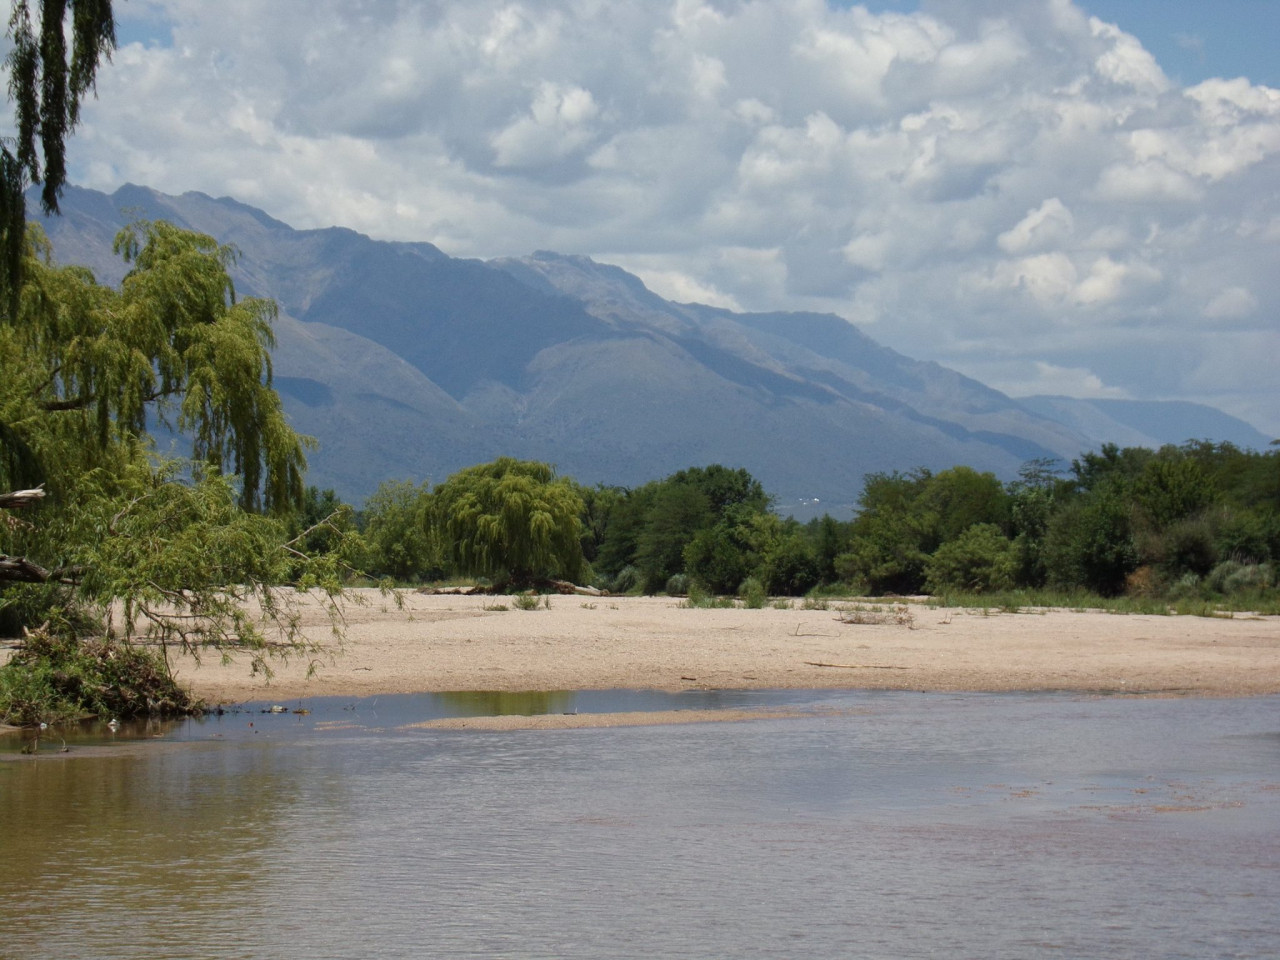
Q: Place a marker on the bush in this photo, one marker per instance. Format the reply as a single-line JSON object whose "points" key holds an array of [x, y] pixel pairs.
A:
{"points": [[1186, 587], [980, 560], [1252, 576], [791, 568], [1090, 545], [55, 677], [699, 598], [1232, 577], [1185, 547], [1246, 537], [678, 585], [626, 581], [718, 557], [753, 593], [1144, 582]]}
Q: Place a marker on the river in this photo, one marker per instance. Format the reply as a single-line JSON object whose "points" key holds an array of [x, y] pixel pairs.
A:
{"points": [[874, 825]]}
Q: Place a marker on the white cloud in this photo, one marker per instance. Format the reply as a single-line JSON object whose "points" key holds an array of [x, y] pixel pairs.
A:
{"points": [[978, 179], [1068, 382], [1124, 61], [1050, 224], [1232, 303], [559, 122], [682, 288]]}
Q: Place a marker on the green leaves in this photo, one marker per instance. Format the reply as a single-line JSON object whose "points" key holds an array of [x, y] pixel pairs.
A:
{"points": [[511, 520], [47, 81], [84, 365], [46, 86]]}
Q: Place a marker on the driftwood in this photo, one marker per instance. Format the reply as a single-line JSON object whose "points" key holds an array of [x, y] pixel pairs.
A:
{"points": [[20, 498], [20, 569], [550, 586], [564, 586], [900, 615], [856, 666]]}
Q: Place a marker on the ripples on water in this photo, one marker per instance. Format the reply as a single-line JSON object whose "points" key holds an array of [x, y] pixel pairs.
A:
{"points": [[903, 825]]}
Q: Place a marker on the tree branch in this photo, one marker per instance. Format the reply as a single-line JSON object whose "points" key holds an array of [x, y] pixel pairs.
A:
{"points": [[22, 570], [20, 498], [83, 402]]}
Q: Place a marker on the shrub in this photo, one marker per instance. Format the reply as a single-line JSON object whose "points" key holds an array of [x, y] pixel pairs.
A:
{"points": [[696, 596], [719, 557], [678, 585], [1090, 545], [699, 597], [1143, 582], [791, 568], [1231, 577], [753, 593], [1252, 576], [981, 559], [1185, 547], [626, 581], [1186, 587], [57, 677]]}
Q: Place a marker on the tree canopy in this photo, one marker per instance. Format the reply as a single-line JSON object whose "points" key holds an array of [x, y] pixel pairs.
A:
{"points": [[173, 548], [511, 520], [84, 367]]}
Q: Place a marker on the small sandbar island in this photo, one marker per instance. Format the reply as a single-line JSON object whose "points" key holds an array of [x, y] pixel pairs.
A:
{"points": [[450, 642]]}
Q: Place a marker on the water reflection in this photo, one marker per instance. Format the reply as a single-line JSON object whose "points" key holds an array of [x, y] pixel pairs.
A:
{"points": [[495, 703]]}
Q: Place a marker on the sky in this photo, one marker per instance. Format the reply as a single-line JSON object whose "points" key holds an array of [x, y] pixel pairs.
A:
{"points": [[1077, 198]]}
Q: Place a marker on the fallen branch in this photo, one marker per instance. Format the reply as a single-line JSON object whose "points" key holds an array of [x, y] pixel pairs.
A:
{"points": [[22, 570], [900, 615], [566, 587], [20, 498], [856, 666]]}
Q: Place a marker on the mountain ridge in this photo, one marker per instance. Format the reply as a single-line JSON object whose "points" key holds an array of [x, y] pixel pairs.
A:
{"points": [[406, 363]]}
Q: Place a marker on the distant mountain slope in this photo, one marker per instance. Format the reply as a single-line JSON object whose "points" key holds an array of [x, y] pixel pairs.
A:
{"points": [[1147, 423], [406, 363]]}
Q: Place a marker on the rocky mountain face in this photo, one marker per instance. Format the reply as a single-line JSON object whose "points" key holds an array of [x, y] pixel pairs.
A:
{"points": [[406, 363]]}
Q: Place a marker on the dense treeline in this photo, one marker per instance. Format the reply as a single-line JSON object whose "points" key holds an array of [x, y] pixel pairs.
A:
{"points": [[1200, 519]]}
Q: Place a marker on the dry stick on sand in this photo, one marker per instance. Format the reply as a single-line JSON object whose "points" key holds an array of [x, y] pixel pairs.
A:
{"points": [[857, 666]]}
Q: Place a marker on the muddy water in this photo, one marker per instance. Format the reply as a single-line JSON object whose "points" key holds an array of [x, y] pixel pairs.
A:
{"points": [[878, 825]]}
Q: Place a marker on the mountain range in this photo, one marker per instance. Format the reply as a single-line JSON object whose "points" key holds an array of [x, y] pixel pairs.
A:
{"points": [[408, 364]]}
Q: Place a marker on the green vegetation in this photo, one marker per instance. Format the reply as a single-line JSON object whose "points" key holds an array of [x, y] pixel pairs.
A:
{"points": [[111, 542], [1191, 528], [512, 521]]}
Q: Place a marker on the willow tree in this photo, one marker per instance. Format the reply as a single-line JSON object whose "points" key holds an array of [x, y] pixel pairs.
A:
{"points": [[84, 368], [123, 543], [49, 78], [513, 521], [85, 371]]}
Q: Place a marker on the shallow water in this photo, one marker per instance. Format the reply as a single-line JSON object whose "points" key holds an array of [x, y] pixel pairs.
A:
{"points": [[882, 825]]}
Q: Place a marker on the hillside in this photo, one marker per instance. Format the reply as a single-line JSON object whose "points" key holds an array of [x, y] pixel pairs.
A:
{"points": [[406, 363]]}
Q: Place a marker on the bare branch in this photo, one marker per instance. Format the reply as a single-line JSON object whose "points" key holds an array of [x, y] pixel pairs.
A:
{"points": [[21, 498], [22, 570]]}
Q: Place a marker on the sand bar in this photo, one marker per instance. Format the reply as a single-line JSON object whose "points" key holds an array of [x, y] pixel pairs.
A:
{"points": [[451, 642]]}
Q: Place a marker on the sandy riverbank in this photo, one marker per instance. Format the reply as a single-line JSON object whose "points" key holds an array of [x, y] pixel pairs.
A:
{"points": [[439, 643]]}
